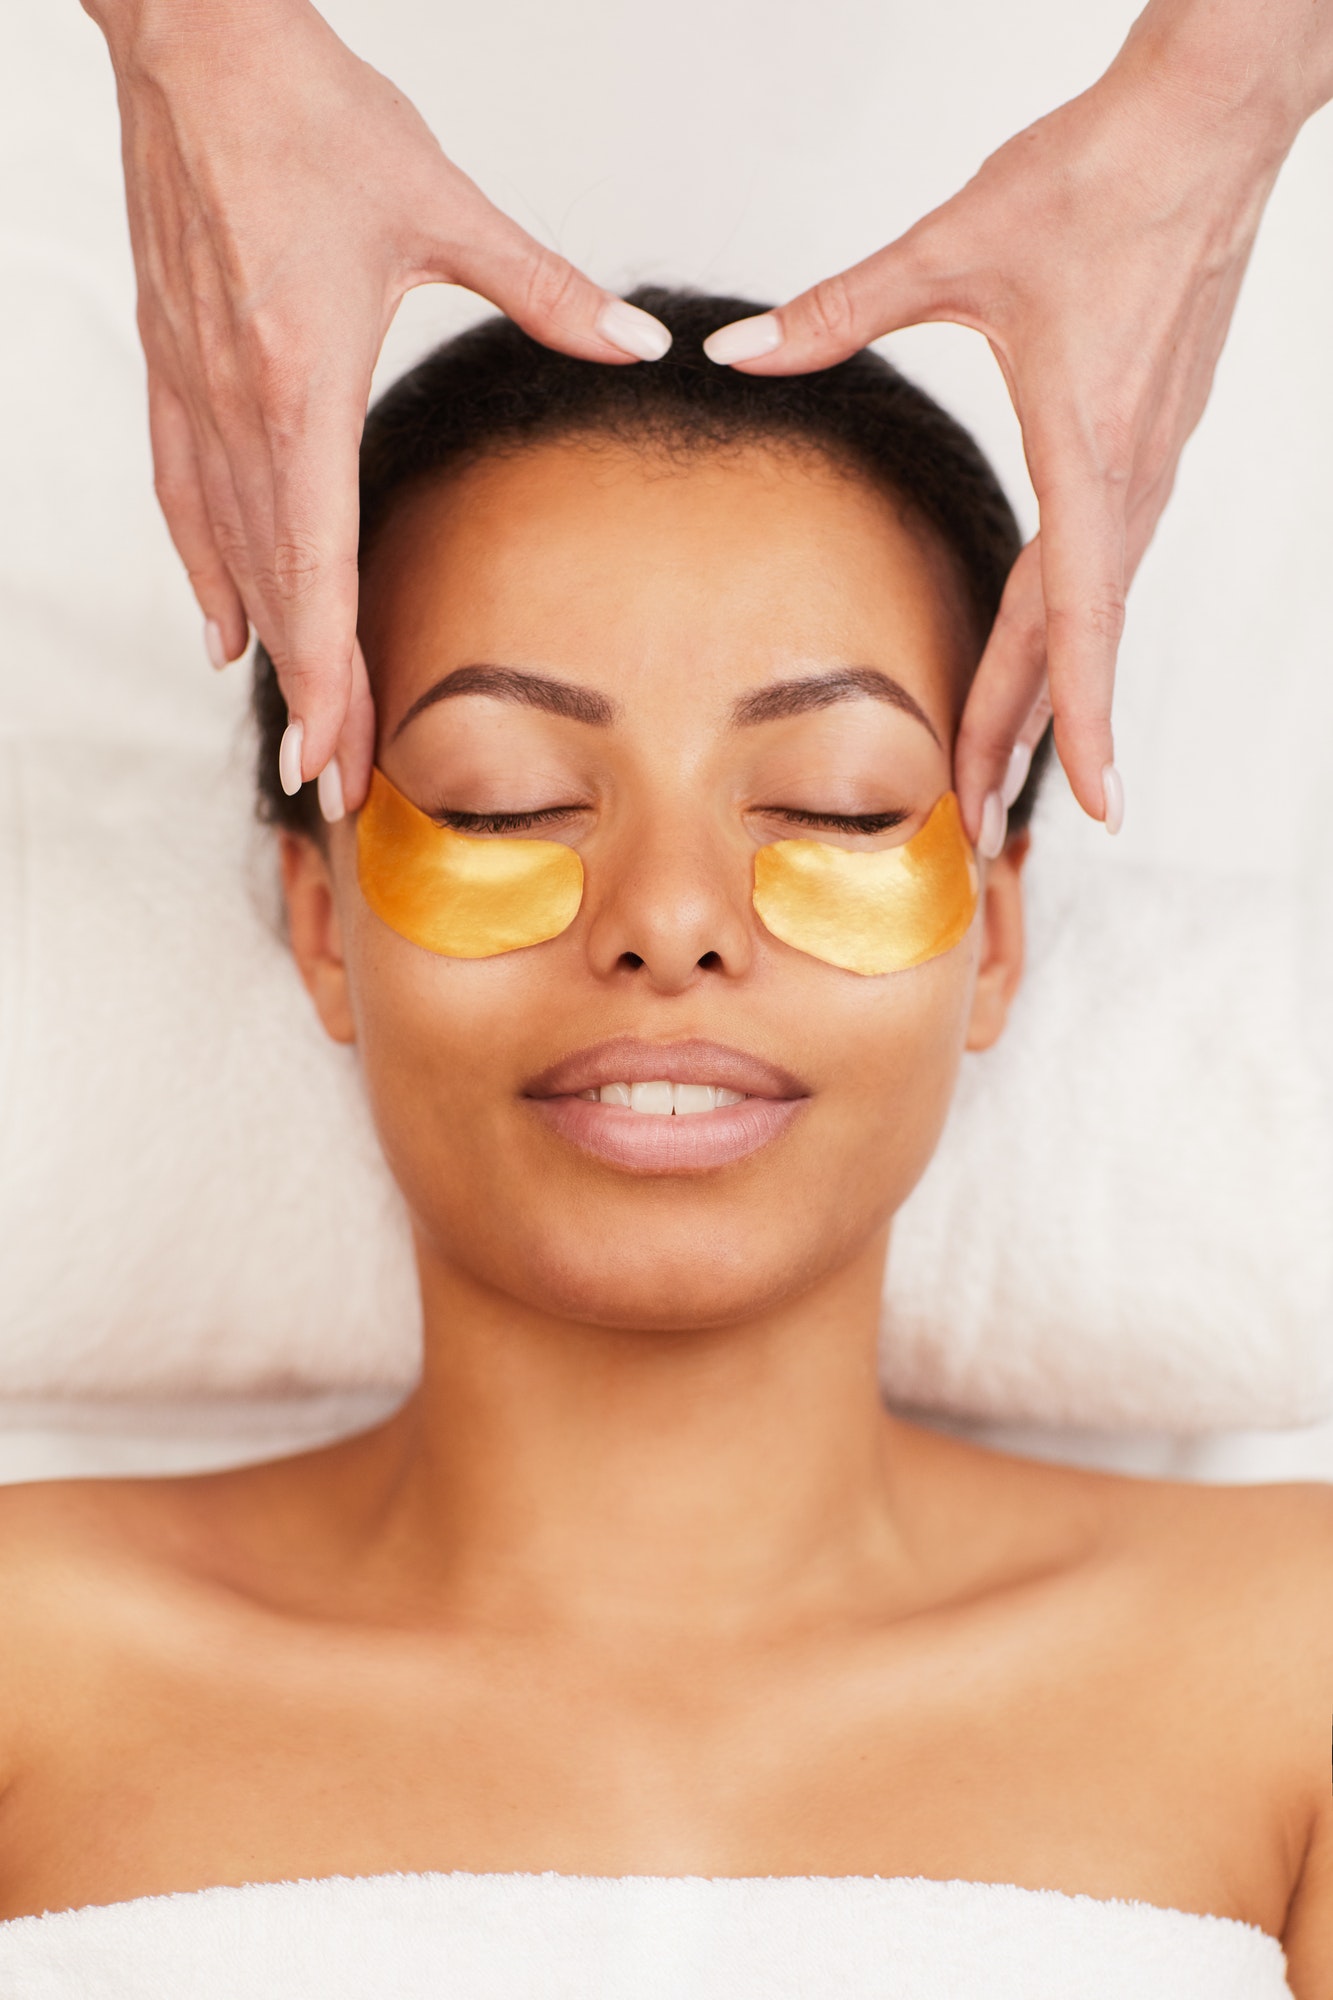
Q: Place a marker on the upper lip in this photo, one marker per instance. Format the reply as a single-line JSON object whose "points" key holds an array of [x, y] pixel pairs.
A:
{"points": [[625, 1060]]}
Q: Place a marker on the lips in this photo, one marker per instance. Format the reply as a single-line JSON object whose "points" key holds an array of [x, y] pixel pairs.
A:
{"points": [[666, 1107]]}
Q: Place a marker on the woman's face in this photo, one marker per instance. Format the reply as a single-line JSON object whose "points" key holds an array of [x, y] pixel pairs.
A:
{"points": [[629, 609]]}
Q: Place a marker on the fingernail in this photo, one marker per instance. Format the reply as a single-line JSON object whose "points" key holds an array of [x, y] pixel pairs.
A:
{"points": [[994, 824], [1020, 763], [744, 339], [330, 791], [289, 758], [213, 646], [632, 331], [1113, 794]]}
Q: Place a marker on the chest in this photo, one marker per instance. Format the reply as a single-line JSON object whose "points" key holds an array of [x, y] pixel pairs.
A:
{"points": [[270, 1754]]}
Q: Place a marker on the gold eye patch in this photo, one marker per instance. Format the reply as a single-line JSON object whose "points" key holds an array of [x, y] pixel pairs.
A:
{"points": [[456, 895], [463, 897], [872, 913]]}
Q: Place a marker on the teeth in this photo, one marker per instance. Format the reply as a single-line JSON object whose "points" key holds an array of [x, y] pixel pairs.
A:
{"points": [[665, 1099], [652, 1097]]}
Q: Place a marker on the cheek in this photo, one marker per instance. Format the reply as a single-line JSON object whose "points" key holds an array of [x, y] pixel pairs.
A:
{"points": [[439, 1042], [892, 1048]]}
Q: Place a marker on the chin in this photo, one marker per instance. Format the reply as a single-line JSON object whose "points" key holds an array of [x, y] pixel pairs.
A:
{"points": [[666, 1307], [684, 1279]]}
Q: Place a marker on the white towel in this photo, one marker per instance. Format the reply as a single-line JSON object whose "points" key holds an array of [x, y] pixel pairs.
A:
{"points": [[1129, 1222], [557, 1937]]}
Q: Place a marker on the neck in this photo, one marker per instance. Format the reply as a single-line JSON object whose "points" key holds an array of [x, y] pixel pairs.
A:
{"points": [[600, 1474]]}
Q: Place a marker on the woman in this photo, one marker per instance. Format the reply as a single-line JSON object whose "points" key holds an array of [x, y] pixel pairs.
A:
{"points": [[643, 1581]]}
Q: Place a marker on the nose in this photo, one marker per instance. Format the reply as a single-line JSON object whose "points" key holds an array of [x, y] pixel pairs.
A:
{"points": [[670, 905]]}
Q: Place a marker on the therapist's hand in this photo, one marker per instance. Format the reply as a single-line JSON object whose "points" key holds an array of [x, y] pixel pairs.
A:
{"points": [[1100, 252], [282, 198]]}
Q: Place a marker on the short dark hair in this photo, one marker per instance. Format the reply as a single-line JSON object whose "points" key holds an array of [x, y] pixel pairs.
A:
{"points": [[492, 390]]}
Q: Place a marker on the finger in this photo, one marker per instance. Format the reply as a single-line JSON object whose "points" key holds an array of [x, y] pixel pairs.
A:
{"points": [[179, 487], [308, 573], [894, 288], [1020, 757], [1083, 583], [549, 297], [229, 525], [1007, 691], [356, 745]]}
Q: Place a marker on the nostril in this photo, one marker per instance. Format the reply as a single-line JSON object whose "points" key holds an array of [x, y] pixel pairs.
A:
{"points": [[631, 960], [711, 962]]}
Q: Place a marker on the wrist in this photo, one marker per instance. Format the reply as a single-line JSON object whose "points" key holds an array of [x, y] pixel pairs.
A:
{"points": [[150, 36], [1248, 71]]}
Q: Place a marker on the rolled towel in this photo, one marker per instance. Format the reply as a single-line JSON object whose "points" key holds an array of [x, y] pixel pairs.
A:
{"points": [[1129, 1221], [560, 1937], [192, 1201], [1126, 1225]]}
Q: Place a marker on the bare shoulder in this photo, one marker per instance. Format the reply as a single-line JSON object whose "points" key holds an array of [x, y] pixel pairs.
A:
{"points": [[49, 1524], [97, 1569], [84, 1564], [58, 1538], [1242, 1572], [1218, 1602], [1212, 1550], [1252, 1571], [1252, 1568], [51, 1528], [1266, 1548]]}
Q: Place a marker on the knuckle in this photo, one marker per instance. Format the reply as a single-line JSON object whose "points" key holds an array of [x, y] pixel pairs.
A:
{"points": [[298, 566], [1041, 714], [177, 490], [987, 741], [549, 289], [276, 374], [1102, 614], [301, 682], [1021, 624], [293, 571], [204, 576], [230, 541], [1105, 613], [832, 311]]}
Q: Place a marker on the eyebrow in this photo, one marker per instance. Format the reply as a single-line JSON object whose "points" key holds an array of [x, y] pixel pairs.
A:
{"points": [[798, 697], [579, 704]]}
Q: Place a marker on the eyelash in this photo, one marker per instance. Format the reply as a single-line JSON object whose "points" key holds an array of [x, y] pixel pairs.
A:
{"points": [[465, 822], [500, 823], [839, 822]]}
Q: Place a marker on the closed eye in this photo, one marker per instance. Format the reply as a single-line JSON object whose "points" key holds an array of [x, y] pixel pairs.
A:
{"points": [[525, 822], [865, 823]]}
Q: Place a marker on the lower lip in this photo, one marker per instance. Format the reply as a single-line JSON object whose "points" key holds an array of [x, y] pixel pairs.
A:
{"points": [[646, 1142]]}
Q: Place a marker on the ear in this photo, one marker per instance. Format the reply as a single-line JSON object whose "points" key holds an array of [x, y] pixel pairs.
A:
{"points": [[315, 932], [1002, 948]]}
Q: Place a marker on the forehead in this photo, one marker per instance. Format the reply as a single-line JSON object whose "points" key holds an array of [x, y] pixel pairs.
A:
{"points": [[631, 568]]}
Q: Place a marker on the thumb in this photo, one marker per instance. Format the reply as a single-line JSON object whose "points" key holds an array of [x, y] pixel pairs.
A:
{"points": [[546, 295], [836, 317]]}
